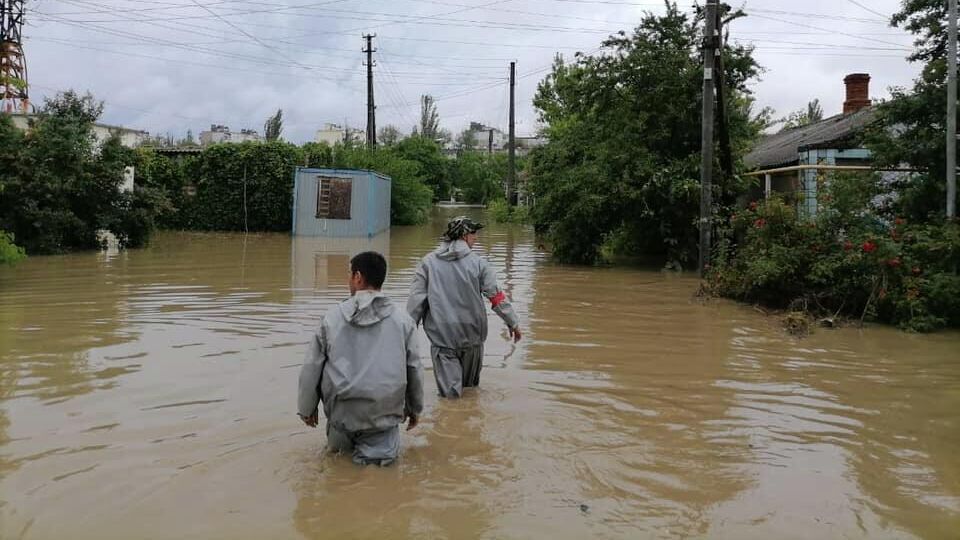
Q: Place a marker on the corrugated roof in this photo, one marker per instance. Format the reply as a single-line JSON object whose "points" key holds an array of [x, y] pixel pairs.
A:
{"points": [[783, 148]]}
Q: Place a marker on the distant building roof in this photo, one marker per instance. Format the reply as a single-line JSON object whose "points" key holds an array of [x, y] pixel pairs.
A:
{"points": [[784, 148]]}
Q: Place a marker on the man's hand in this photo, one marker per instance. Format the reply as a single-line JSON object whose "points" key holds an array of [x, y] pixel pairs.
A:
{"points": [[515, 334], [412, 421], [310, 421]]}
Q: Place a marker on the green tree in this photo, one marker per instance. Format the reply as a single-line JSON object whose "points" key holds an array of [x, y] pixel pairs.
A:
{"points": [[273, 127], [911, 124], [477, 177], [812, 115], [389, 135], [317, 155], [430, 161], [429, 118], [621, 166], [467, 140], [64, 187]]}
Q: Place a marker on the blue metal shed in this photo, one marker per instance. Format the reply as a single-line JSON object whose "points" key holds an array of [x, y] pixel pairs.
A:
{"points": [[340, 202]]}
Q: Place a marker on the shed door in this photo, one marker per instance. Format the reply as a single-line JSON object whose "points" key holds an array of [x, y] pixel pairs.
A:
{"points": [[334, 197]]}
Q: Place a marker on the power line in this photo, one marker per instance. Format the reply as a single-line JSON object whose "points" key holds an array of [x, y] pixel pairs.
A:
{"points": [[73, 44], [252, 59], [839, 32], [249, 35], [871, 10], [429, 20]]}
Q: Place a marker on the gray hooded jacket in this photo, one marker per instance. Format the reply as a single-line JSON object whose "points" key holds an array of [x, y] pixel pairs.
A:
{"points": [[363, 365], [448, 294]]}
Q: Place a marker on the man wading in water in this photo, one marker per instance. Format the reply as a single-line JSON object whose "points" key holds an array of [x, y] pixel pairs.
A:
{"points": [[363, 366], [447, 295]]}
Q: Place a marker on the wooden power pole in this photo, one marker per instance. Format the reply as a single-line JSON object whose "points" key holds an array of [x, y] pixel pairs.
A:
{"points": [[952, 111], [371, 106], [706, 151], [723, 125], [512, 156]]}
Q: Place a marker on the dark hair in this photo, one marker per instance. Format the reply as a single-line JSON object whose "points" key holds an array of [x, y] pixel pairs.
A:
{"points": [[372, 266]]}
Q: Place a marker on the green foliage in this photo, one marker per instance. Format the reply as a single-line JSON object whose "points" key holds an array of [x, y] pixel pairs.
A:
{"points": [[432, 166], [910, 126], [273, 127], [389, 135], [477, 177], [856, 258], [10, 253], [624, 142], [812, 115], [317, 155], [242, 186], [61, 187], [502, 213], [429, 118]]}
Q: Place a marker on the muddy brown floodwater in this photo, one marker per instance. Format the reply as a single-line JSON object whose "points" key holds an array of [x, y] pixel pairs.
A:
{"points": [[151, 394]]}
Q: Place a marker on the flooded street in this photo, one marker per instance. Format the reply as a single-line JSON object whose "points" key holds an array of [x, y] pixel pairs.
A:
{"points": [[151, 394]]}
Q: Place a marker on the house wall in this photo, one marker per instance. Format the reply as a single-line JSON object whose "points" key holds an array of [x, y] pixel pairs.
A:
{"points": [[369, 204], [130, 138], [808, 179]]}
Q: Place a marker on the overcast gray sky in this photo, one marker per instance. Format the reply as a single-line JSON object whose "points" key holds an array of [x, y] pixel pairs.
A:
{"points": [[169, 65]]}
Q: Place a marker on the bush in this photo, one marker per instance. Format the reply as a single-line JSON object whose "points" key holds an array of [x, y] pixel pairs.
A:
{"points": [[60, 187], [855, 258], [10, 253], [501, 212]]}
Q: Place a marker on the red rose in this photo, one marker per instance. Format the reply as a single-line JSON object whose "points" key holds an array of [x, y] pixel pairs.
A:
{"points": [[894, 262], [760, 223], [869, 247], [848, 245]]}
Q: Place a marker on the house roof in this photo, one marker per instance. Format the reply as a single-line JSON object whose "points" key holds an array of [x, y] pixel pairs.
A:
{"points": [[783, 148]]}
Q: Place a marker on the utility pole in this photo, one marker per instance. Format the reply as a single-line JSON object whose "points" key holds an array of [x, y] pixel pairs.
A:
{"points": [[706, 151], [490, 142], [726, 152], [952, 112], [14, 94], [371, 106], [511, 157]]}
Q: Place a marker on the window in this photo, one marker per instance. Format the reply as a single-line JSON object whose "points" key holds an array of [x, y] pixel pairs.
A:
{"points": [[334, 196]]}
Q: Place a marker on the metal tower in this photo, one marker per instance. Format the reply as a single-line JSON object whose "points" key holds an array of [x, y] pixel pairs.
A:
{"points": [[13, 64]]}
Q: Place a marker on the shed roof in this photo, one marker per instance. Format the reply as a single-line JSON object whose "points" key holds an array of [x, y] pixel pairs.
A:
{"points": [[783, 148]]}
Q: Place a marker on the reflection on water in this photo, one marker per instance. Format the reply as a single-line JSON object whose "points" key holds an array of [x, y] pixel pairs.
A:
{"points": [[153, 391]]}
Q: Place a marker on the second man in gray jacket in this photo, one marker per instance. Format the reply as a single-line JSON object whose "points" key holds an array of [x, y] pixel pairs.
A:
{"points": [[448, 293]]}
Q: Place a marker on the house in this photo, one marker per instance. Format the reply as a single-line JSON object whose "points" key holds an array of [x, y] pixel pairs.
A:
{"points": [[782, 160], [340, 203], [528, 143], [335, 133], [488, 138], [130, 138], [221, 134]]}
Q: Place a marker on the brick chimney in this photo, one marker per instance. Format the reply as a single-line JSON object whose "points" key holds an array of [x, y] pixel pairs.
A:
{"points": [[858, 92]]}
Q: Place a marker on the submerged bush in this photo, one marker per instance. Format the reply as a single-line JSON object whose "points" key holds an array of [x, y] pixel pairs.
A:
{"points": [[856, 258]]}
